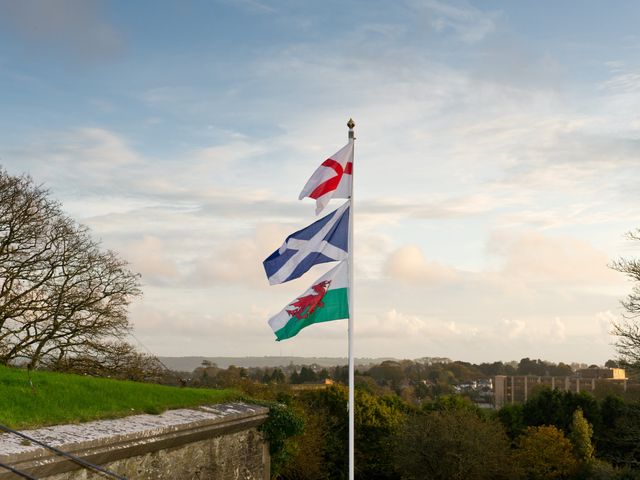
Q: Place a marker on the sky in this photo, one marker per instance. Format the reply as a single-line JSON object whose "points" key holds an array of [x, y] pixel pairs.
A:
{"points": [[495, 176]]}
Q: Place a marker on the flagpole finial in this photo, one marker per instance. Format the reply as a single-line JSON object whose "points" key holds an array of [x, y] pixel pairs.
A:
{"points": [[351, 124]]}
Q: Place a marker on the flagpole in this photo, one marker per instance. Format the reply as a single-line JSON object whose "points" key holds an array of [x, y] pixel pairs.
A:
{"points": [[351, 405]]}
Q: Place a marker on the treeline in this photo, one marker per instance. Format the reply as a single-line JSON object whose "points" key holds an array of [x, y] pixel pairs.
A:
{"points": [[438, 435], [414, 381], [555, 435], [613, 422], [397, 371]]}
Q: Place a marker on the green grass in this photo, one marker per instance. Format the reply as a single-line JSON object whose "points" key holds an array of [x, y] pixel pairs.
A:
{"points": [[60, 398]]}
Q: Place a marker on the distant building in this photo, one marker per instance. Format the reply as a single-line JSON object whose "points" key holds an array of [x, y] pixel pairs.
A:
{"points": [[602, 373], [318, 385], [433, 360], [518, 388]]}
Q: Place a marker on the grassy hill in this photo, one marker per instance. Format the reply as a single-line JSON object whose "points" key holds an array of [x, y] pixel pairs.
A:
{"points": [[60, 398]]}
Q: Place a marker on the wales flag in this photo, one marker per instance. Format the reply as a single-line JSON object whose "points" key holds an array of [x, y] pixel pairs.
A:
{"points": [[326, 300]]}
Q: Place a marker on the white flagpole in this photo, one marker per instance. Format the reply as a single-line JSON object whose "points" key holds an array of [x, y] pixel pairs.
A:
{"points": [[351, 405]]}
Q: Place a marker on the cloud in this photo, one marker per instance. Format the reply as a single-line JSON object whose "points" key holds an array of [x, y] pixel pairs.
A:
{"points": [[94, 148], [398, 325], [69, 27], [94, 163], [558, 332], [87, 161], [524, 334], [535, 258], [514, 328], [216, 156], [467, 22], [546, 291], [252, 6], [408, 264], [521, 260], [528, 279], [624, 83], [150, 258], [188, 330], [393, 324], [605, 321], [239, 260], [184, 248], [393, 209]]}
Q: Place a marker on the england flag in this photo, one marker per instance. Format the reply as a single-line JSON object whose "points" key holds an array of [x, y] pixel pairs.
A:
{"points": [[332, 179]]}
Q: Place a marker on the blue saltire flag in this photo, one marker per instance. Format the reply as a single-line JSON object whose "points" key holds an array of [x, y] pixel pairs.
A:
{"points": [[325, 240]]}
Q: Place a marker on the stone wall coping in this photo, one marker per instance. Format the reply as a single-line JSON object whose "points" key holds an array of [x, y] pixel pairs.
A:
{"points": [[104, 441]]}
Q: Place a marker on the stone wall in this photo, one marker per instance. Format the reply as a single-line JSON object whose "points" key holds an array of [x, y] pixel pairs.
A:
{"points": [[218, 442]]}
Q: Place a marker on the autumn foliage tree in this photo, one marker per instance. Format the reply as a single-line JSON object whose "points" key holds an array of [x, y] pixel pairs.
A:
{"points": [[62, 297], [453, 441], [545, 453], [580, 436]]}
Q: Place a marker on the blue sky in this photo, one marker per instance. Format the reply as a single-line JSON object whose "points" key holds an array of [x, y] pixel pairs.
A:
{"points": [[496, 157]]}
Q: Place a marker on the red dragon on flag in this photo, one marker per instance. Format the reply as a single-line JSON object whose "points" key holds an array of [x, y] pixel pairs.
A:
{"points": [[307, 304]]}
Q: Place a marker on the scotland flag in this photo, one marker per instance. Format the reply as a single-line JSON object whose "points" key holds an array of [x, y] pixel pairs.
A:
{"points": [[323, 241]]}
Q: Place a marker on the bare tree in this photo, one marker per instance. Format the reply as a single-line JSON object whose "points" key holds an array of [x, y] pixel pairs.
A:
{"points": [[112, 359], [61, 295], [627, 329]]}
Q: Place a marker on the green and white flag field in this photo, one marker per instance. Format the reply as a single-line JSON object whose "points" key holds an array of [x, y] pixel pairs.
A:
{"points": [[326, 300]]}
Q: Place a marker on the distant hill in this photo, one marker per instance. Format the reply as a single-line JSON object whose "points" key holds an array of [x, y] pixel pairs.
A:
{"points": [[188, 364]]}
